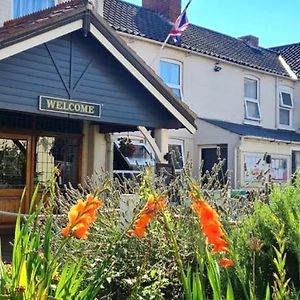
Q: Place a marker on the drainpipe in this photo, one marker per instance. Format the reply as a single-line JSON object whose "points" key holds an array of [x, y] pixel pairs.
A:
{"points": [[236, 161], [276, 102]]}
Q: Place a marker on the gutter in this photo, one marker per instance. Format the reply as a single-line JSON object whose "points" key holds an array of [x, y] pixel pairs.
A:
{"points": [[253, 137]]}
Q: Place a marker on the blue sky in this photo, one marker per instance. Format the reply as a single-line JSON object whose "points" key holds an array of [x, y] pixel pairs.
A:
{"points": [[274, 22]]}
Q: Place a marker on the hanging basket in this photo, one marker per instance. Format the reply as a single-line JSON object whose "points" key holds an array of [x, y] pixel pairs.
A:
{"points": [[126, 147]]}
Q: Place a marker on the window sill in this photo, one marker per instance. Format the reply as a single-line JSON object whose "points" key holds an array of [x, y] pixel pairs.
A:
{"points": [[283, 127], [252, 122]]}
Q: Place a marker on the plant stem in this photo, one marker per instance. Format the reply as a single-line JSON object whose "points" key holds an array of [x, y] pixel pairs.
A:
{"points": [[177, 256]]}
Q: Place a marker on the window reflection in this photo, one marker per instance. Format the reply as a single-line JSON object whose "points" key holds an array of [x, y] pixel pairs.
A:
{"points": [[62, 152], [12, 163]]}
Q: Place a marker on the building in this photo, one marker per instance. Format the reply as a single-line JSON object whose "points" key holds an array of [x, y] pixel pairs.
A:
{"points": [[67, 83], [246, 97]]}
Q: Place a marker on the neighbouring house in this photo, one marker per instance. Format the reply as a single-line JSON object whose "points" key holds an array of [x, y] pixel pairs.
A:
{"points": [[246, 97], [67, 83]]}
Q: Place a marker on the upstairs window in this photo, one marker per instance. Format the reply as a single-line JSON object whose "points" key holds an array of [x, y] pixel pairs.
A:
{"points": [[170, 73], [285, 108], [251, 97], [25, 7]]}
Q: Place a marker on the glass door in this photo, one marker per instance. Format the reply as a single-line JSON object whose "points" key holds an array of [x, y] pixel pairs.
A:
{"points": [[14, 176]]}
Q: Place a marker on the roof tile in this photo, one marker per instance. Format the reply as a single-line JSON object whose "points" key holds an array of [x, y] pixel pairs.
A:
{"points": [[132, 19], [291, 54]]}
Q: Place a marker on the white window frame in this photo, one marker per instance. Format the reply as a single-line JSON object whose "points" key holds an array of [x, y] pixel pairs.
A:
{"points": [[252, 100], [285, 107], [174, 86], [180, 143]]}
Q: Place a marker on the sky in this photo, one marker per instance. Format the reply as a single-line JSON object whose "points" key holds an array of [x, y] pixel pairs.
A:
{"points": [[274, 22]]}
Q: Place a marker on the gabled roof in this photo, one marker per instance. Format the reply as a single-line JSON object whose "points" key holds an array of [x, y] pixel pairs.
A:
{"points": [[138, 21], [27, 32], [291, 54], [256, 131]]}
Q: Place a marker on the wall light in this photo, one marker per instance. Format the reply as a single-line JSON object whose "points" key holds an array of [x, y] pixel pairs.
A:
{"points": [[217, 67]]}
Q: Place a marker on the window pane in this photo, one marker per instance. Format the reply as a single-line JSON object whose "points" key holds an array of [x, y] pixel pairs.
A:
{"points": [[25, 7], [170, 72], [250, 88], [140, 156], [176, 92], [177, 153], [12, 163], [57, 151], [284, 116], [286, 99], [253, 110]]}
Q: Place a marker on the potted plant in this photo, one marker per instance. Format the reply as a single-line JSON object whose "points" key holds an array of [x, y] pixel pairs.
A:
{"points": [[126, 147]]}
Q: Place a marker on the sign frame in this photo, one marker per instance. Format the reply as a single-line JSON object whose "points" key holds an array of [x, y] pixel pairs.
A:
{"points": [[95, 105]]}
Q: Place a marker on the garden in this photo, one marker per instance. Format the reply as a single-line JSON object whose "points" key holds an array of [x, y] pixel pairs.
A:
{"points": [[152, 238]]}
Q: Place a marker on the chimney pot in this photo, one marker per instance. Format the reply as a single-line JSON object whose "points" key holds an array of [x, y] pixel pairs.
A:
{"points": [[171, 9], [251, 40]]}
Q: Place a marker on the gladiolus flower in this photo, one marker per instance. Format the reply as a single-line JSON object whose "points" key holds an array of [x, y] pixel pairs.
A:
{"points": [[226, 262], [212, 229], [81, 216], [210, 225], [152, 207]]}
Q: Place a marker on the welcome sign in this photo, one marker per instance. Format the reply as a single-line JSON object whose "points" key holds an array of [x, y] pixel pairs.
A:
{"points": [[69, 106]]}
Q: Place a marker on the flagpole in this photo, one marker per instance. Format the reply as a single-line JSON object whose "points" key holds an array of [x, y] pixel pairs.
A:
{"points": [[166, 40], [159, 51]]}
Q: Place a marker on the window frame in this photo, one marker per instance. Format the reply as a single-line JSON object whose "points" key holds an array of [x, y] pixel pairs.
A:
{"points": [[282, 106], [252, 100], [171, 85], [178, 142]]}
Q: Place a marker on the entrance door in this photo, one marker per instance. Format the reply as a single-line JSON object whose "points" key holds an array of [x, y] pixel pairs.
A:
{"points": [[212, 156], [14, 175]]}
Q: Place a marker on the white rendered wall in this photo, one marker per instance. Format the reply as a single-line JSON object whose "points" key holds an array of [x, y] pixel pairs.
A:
{"points": [[5, 11]]}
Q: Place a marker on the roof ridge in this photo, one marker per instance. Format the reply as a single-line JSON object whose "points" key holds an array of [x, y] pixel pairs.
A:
{"points": [[42, 12], [285, 46]]}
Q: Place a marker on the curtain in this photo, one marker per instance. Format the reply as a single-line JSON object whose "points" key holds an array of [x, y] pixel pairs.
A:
{"points": [[25, 7]]}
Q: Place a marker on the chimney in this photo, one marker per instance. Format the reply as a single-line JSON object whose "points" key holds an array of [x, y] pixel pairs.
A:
{"points": [[171, 9], [251, 40], [5, 11]]}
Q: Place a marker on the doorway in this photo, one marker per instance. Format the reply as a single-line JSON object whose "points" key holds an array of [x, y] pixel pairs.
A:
{"points": [[15, 170], [213, 155]]}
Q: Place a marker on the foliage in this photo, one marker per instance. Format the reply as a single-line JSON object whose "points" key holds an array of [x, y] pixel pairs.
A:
{"points": [[159, 245]]}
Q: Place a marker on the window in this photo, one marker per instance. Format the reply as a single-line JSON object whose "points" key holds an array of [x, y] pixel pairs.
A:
{"points": [[285, 108], [25, 7], [257, 169], [176, 150], [252, 108], [57, 151], [170, 73], [131, 154]]}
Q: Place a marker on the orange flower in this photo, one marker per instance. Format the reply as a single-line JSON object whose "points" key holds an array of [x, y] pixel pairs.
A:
{"points": [[210, 225], [226, 262], [152, 207], [81, 216], [212, 229]]}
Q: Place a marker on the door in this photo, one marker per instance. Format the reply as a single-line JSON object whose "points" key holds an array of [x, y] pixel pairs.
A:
{"points": [[15, 161], [212, 156]]}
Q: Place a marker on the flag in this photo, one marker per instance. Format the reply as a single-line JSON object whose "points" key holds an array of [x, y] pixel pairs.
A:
{"points": [[180, 25]]}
